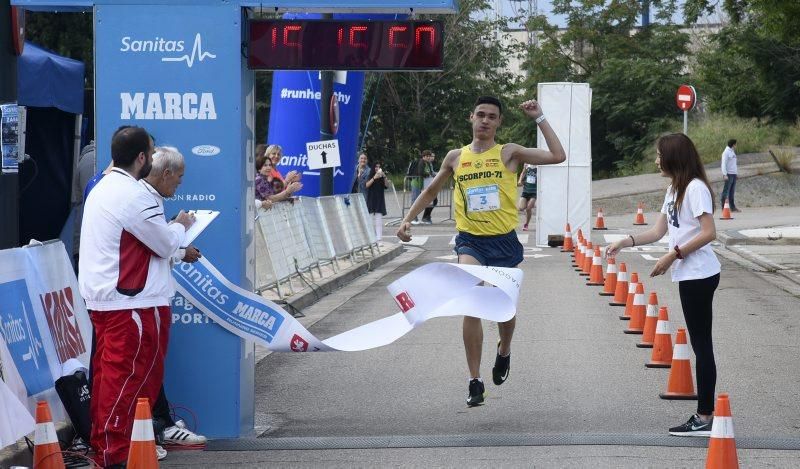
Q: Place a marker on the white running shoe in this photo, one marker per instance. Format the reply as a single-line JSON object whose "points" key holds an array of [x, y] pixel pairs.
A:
{"points": [[161, 453], [180, 435]]}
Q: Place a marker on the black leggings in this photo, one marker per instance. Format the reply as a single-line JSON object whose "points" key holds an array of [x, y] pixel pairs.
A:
{"points": [[697, 297]]}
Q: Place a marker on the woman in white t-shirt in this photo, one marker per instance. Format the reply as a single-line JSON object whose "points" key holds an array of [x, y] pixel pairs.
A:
{"points": [[687, 214]]}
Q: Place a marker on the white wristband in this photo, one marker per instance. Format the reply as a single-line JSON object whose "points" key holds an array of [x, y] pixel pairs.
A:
{"points": [[540, 119]]}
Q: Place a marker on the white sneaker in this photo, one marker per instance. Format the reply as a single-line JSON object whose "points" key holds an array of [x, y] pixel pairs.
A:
{"points": [[161, 453], [180, 435], [415, 222]]}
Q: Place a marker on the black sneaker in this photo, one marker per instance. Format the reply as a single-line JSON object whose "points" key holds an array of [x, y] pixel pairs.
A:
{"points": [[476, 393], [501, 367], [694, 427]]}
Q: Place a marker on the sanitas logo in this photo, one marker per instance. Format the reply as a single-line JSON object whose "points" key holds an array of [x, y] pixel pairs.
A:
{"points": [[159, 44], [206, 150]]}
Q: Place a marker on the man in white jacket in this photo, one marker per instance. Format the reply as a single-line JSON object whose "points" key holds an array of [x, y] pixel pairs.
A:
{"points": [[124, 277], [730, 172]]}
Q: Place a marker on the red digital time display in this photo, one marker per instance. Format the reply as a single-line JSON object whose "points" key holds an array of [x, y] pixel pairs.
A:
{"points": [[345, 45]]}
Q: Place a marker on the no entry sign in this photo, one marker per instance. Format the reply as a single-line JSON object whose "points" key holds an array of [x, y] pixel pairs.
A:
{"points": [[686, 97]]}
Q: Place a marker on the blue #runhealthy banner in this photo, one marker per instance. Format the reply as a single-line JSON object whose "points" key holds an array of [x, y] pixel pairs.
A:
{"points": [[294, 120], [177, 70]]}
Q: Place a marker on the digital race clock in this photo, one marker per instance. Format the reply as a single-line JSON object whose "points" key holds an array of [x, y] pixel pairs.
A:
{"points": [[345, 45]]}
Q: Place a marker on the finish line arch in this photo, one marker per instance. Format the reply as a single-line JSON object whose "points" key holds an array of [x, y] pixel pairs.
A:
{"points": [[176, 68]]}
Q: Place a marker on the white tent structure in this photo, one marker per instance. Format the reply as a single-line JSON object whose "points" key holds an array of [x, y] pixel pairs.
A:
{"points": [[564, 191]]}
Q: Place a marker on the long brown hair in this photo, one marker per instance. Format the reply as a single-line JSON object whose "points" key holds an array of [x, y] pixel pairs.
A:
{"points": [[681, 162]]}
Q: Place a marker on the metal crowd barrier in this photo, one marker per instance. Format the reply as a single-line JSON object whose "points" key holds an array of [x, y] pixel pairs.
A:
{"points": [[297, 238], [445, 197]]}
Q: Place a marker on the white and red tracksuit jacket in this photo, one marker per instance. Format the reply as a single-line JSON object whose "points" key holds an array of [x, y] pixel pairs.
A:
{"points": [[126, 247]]}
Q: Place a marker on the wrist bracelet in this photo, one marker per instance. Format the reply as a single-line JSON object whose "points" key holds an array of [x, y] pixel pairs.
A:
{"points": [[540, 119], [678, 252], [633, 241]]}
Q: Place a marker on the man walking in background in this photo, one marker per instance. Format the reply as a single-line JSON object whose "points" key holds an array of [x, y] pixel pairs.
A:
{"points": [[730, 171]]}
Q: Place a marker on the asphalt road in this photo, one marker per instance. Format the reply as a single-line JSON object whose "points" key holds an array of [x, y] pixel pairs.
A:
{"points": [[578, 394]]}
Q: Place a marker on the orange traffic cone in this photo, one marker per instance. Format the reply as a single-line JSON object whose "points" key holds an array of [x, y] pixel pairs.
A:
{"points": [[587, 260], [567, 247], [580, 249], [611, 278], [46, 452], [650, 322], [636, 326], [579, 240], [631, 295], [726, 211], [662, 343], [639, 220], [621, 290], [142, 454], [596, 274], [600, 223], [681, 383], [722, 445]]}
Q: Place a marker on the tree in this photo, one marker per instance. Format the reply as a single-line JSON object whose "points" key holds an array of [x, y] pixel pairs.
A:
{"points": [[753, 66], [633, 71], [414, 111]]}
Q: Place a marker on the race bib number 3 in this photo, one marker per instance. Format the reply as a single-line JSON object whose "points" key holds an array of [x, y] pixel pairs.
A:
{"points": [[483, 198], [531, 179]]}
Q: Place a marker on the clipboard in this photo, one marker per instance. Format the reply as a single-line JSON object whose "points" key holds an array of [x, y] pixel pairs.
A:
{"points": [[203, 218]]}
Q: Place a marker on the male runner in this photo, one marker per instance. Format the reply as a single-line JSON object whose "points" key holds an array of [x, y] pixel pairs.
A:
{"points": [[485, 175]]}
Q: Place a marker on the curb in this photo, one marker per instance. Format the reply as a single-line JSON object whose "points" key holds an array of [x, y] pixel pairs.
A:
{"points": [[18, 454], [735, 238]]}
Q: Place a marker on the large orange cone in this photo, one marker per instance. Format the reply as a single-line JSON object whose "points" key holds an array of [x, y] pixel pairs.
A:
{"points": [[611, 278], [681, 383], [586, 268], [650, 322], [567, 247], [600, 223], [142, 453], [662, 343], [579, 240], [631, 295], [722, 445], [726, 211], [621, 290], [47, 452], [636, 326], [596, 273], [639, 220], [580, 249]]}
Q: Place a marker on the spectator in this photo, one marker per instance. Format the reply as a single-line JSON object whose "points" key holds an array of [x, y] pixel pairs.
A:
{"points": [[414, 175], [428, 173], [362, 173], [730, 172], [376, 202], [265, 190], [275, 153], [124, 277], [163, 180]]}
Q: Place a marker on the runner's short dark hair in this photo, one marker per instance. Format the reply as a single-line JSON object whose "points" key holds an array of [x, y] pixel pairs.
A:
{"points": [[489, 100], [731, 142]]}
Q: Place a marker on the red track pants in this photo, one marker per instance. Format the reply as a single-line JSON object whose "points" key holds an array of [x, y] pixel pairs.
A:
{"points": [[128, 362]]}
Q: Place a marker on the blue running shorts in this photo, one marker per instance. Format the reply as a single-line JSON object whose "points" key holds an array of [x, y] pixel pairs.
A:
{"points": [[499, 250]]}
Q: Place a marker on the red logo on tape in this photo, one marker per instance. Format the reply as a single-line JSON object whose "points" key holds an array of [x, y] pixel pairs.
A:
{"points": [[404, 301], [298, 344]]}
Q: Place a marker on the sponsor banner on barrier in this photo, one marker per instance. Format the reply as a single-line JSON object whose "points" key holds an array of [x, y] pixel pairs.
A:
{"points": [[433, 290], [43, 322]]}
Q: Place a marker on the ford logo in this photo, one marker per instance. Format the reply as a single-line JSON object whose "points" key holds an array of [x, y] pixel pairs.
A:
{"points": [[206, 150]]}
